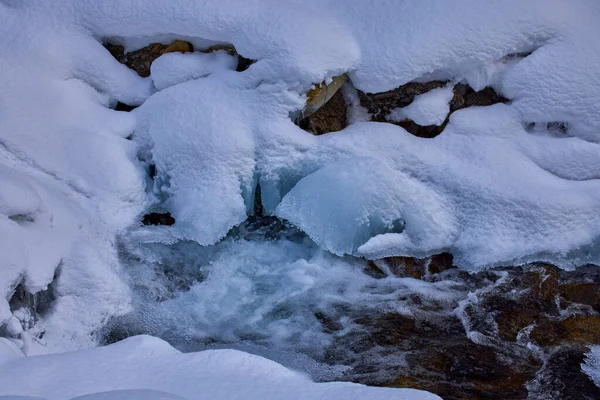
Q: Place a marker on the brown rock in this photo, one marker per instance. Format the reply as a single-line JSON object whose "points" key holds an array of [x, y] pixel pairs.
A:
{"points": [[440, 263], [576, 329], [329, 118], [321, 94], [380, 104], [582, 293], [179, 46], [139, 60]]}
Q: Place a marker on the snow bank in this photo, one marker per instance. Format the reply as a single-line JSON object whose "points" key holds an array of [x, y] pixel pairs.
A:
{"points": [[487, 193], [149, 363]]}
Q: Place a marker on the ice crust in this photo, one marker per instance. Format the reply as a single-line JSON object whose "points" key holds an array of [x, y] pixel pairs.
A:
{"points": [[489, 189], [148, 362]]}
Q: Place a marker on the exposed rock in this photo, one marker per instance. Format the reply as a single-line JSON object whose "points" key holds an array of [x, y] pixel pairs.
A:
{"points": [[586, 293], [158, 219], [332, 117], [320, 95], [141, 60], [465, 96], [179, 46], [380, 105], [575, 329], [415, 267], [561, 377]]}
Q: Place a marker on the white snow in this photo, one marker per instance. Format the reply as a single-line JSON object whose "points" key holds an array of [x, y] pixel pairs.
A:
{"points": [[591, 365], [150, 363], [173, 68], [430, 108]]}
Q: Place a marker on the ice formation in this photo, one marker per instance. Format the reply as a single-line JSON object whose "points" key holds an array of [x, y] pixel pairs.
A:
{"points": [[490, 189]]}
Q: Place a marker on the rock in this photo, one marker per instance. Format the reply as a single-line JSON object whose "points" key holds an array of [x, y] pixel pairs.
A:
{"points": [[415, 267], [561, 377], [581, 292], [320, 95], [332, 117], [141, 60], [380, 104], [179, 46], [575, 329], [465, 96], [158, 219]]}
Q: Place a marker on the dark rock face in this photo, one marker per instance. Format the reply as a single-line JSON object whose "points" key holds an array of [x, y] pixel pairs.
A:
{"points": [[381, 104], [329, 118], [158, 219], [139, 60], [561, 377]]}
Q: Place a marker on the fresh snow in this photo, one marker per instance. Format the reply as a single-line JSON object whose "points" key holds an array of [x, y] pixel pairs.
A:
{"points": [[152, 364], [430, 108], [173, 68]]}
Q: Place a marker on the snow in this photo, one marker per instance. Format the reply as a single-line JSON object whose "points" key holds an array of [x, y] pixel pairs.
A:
{"points": [[591, 365], [151, 363], [430, 108], [173, 68]]}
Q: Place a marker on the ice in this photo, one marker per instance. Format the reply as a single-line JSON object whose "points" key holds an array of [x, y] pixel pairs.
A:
{"points": [[150, 363], [430, 108], [173, 68]]}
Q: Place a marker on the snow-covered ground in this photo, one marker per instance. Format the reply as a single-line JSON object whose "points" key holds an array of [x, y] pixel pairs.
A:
{"points": [[490, 189]]}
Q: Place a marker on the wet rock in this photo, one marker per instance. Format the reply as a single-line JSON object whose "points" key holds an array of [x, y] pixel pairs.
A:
{"points": [[561, 377], [586, 293], [415, 267], [158, 219], [141, 60], [575, 329], [329, 118]]}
